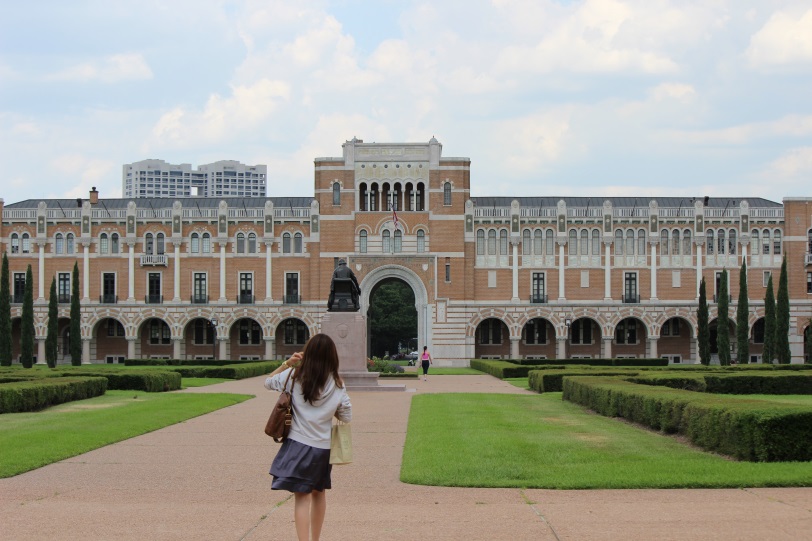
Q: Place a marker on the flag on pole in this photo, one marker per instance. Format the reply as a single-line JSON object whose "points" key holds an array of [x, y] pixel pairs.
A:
{"points": [[395, 217]]}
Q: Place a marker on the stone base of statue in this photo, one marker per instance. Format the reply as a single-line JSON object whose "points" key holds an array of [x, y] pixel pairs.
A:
{"points": [[349, 332]]}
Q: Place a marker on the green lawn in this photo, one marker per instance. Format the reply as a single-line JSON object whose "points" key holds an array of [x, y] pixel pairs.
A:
{"points": [[540, 441], [201, 382], [32, 440], [522, 383]]}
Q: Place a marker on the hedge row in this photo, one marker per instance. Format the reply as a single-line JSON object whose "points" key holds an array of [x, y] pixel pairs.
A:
{"points": [[150, 381], [184, 362], [233, 371], [754, 430], [763, 383], [590, 362], [42, 393], [504, 369], [551, 381]]}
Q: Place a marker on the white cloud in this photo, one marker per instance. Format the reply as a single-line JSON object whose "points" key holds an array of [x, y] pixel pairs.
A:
{"points": [[111, 69], [786, 38], [673, 91], [80, 172], [535, 141], [788, 126]]}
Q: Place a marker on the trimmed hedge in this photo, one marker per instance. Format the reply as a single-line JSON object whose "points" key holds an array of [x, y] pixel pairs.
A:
{"points": [[736, 383], [184, 362], [753, 430], [150, 381], [504, 369], [590, 362], [42, 393], [233, 371], [552, 381]]}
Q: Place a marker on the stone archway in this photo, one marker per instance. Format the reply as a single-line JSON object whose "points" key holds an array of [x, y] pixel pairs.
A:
{"points": [[421, 297]]}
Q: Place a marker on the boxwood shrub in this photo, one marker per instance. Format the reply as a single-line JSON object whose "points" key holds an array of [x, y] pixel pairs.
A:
{"points": [[502, 369], [41, 393], [185, 362], [733, 383], [151, 381], [551, 381]]}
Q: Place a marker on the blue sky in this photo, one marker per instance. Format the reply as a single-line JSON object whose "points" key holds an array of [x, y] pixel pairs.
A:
{"points": [[595, 97]]}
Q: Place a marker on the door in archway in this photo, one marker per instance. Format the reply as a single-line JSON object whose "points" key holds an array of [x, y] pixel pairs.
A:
{"points": [[392, 318]]}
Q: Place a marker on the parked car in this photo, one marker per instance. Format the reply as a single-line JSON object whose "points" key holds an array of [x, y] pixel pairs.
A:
{"points": [[412, 357]]}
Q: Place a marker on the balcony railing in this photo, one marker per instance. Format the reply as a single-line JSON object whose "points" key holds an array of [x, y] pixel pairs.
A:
{"points": [[154, 299], [63, 298], [292, 299], [538, 299], [108, 298], [153, 260], [808, 259], [631, 299], [244, 298], [200, 299], [716, 298]]}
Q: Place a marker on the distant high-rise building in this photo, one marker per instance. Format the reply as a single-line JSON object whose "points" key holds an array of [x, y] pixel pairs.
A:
{"points": [[225, 178]]}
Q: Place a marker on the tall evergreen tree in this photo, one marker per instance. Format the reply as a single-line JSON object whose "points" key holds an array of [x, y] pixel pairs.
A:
{"points": [[722, 322], [782, 352], [27, 331], [703, 332], [808, 340], [768, 353], [75, 319], [51, 339], [742, 319], [5, 315]]}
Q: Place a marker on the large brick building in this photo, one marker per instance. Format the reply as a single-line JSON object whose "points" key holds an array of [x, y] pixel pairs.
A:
{"points": [[492, 276]]}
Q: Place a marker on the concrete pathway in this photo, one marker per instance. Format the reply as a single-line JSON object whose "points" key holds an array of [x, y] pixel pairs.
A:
{"points": [[206, 479]]}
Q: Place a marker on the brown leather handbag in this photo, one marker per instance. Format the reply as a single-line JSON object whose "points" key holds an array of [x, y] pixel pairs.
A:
{"points": [[278, 425]]}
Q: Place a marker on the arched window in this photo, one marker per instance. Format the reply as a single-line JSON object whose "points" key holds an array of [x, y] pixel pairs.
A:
{"points": [[720, 244], [362, 196], [398, 241], [114, 243], [710, 240], [629, 242], [373, 196], [731, 242], [420, 201], [159, 241], [297, 243], [503, 242], [104, 244], [149, 244], [69, 245], [59, 242], [584, 241], [15, 243], [755, 242], [336, 193], [675, 244], [550, 241], [421, 241], [641, 242], [618, 242], [195, 243], [596, 242], [240, 243], [686, 242], [664, 242], [252, 243], [385, 238], [205, 244], [765, 242], [447, 194], [480, 242], [26, 243], [527, 248], [809, 241], [776, 242], [362, 241], [573, 242], [286, 243], [537, 242], [492, 242]]}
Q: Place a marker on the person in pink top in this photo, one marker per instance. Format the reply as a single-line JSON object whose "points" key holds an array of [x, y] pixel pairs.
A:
{"points": [[426, 361]]}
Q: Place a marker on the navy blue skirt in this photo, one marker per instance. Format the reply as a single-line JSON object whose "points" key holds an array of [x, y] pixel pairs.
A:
{"points": [[301, 468]]}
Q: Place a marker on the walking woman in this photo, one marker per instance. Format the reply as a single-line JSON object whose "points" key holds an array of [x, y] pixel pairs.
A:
{"points": [[302, 465], [426, 361]]}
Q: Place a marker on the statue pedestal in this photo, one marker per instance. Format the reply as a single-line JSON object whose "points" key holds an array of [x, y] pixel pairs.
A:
{"points": [[349, 332]]}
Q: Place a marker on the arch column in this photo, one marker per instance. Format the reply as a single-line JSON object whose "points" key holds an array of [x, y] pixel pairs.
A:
{"points": [[561, 276], [177, 272], [270, 347], [268, 272], [223, 272], [606, 346], [177, 344], [223, 350], [653, 293], [85, 274], [514, 347], [131, 347], [514, 243], [651, 350], [607, 271], [131, 271], [41, 350], [41, 274], [560, 347], [85, 350]]}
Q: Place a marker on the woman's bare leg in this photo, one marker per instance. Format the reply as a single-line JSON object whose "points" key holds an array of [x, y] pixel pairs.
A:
{"points": [[318, 508], [301, 515]]}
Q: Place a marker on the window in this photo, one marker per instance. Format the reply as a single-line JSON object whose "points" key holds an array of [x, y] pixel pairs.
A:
{"points": [[63, 287], [630, 287], [286, 243], [149, 243], [205, 243], [159, 332], [626, 332], [809, 282], [629, 242], [573, 242], [755, 243], [765, 242], [709, 237], [447, 194], [27, 243], [385, 241], [15, 243], [240, 243], [686, 242], [362, 241], [618, 242], [336, 194], [104, 244], [664, 242], [776, 242], [108, 287], [154, 288], [398, 241], [362, 199], [490, 332], [675, 244], [731, 242], [596, 242], [195, 243], [584, 242], [527, 248], [297, 243], [758, 331], [59, 241], [480, 242], [537, 288], [203, 332], [447, 269], [295, 332], [581, 332], [200, 291], [503, 242], [246, 288], [670, 328], [766, 278], [492, 242], [250, 332], [535, 332], [809, 241], [159, 241], [252, 243], [538, 241], [292, 288], [549, 248], [18, 293], [114, 328], [421, 241], [720, 244]]}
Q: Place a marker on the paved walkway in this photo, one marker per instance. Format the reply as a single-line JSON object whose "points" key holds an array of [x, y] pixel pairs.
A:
{"points": [[206, 479]]}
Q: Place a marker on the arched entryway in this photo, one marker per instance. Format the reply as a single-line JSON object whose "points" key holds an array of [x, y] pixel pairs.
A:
{"points": [[245, 338], [630, 339], [391, 319], [199, 338], [757, 341], [538, 340], [584, 340], [155, 339], [676, 339], [291, 336], [109, 344], [492, 339]]}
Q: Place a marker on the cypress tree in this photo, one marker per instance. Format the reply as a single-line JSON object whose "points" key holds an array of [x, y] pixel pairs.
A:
{"points": [[75, 320], [703, 332], [5, 315], [51, 339], [27, 334], [722, 322], [782, 352], [769, 324], [808, 337], [742, 319]]}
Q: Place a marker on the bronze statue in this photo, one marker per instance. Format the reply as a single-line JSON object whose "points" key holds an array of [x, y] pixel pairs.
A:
{"points": [[344, 290]]}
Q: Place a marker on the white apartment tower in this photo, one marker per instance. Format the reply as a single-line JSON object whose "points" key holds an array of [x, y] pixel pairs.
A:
{"points": [[224, 178]]}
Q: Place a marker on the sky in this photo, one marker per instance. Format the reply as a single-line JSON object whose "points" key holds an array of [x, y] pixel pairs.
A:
{"points": [[547, 98]]}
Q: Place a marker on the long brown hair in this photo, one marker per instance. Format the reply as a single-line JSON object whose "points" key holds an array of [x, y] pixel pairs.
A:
{"points": [[319, 360]]}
